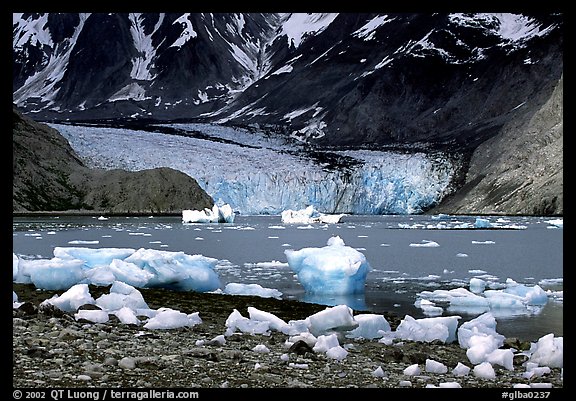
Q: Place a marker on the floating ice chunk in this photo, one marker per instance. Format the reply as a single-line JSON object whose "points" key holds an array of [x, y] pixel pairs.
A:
{"points": [[53, 274], [477, 285], [177, 270], [457, 298], [559, 223], [482, 223], [428, 307], [334, 269], [130, 273], [516, 295], [93, 257], [251, 289], [532, 295], [425, 244], [218, 214], [15, 262], [308, 215]]}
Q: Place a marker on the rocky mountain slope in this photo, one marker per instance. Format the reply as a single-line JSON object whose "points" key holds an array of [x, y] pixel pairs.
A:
{"points": [[49, 176], [520, 170]]}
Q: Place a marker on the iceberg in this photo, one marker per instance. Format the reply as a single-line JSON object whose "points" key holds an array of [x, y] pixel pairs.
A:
{"points": [[103, 266], [218, 214], [309, 215], [335, 269]]}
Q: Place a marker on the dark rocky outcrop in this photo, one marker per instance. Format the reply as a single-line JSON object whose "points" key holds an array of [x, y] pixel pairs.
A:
{"points": [[49, 176], [520, 170]]}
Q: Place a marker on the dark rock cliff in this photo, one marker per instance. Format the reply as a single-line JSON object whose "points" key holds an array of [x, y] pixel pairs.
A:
{"points": [[49, 176], [518, 171]]}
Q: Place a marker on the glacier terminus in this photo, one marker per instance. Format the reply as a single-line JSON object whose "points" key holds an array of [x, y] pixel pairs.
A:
{"points": [[258, 174]]}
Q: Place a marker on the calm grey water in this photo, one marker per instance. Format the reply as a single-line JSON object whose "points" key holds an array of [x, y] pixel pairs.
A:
{"points": [[251, 250]]}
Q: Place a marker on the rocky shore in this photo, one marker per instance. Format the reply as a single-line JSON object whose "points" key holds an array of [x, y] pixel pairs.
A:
{"points": [[53, 350]]}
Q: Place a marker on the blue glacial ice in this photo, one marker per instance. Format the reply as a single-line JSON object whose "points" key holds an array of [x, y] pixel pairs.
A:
{"points": [[256, 174], [335, 269]]}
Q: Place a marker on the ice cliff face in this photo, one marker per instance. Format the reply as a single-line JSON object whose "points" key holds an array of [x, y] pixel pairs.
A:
{"points": [[257, 174]]}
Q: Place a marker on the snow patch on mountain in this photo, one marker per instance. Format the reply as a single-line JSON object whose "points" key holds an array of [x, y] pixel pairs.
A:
{"points": [[44, 83], [31, 30], [514, 28], [142, 64], [368, 31], [188, 31], [297, 26]]}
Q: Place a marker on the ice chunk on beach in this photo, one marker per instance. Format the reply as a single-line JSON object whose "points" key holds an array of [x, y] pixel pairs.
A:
{"points": [[370, 326], [483, 325], [441, 328], [338, 318], [72, 299], [275, 323], [236, 321], [167, 318], [121, 295], [548, 351], [335, 269]]}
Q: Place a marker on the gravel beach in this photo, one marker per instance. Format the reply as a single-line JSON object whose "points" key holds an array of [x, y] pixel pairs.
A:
{"points": [[52, 349]]}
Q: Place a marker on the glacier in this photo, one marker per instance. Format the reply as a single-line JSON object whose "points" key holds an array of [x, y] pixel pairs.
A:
{"points": [[257, 173]]}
